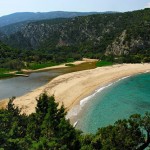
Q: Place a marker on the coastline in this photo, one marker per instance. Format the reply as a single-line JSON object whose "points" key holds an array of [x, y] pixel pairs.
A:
{"points": [[73, 113], [71, 88]]}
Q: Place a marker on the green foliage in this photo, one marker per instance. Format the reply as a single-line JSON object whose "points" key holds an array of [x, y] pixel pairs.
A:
{"points": [[35, 66], [70, 65], [70, 59], [67, 40], [90, 142], [6, 75], [3, 70], [103, 63], [126, 134], [47, 128], [19, 72]]}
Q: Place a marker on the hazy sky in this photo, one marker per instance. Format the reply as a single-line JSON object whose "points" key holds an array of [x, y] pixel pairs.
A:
{"points": [[11, 6]]}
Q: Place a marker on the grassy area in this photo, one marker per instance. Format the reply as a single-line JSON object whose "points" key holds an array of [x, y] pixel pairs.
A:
{"points": [[19, 72], [103, 63], [35, 66], [5, 75], [70, 65], [3, 70]]}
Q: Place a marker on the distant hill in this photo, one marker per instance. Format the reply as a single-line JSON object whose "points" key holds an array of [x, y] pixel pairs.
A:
{"points": [[26, 16]]}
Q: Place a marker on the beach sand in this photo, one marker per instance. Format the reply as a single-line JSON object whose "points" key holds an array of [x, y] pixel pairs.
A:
{"points": [[70, 88]]}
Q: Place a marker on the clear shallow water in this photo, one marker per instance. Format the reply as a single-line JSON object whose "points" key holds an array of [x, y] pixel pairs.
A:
{"points": [[118, 101]]}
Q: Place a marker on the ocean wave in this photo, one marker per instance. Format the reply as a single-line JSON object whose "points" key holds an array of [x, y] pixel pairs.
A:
{"points": [[73, 112], [76, 109], [147, 71], [85, 100]]}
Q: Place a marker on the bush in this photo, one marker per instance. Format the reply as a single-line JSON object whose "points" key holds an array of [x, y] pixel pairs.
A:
{"points": [[70, 65], [103, 63]]}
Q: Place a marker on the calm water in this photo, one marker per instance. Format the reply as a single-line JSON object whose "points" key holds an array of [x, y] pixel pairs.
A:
{"points": [[20, 85], [118, 101]]}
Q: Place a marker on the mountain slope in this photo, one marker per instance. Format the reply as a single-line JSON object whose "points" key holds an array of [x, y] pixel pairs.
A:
{"points": [[59, 32], [13, 28], [119, 34], [7, 54]]}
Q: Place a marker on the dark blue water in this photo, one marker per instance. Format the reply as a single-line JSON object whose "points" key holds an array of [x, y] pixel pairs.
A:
{"points": [[119, 101]]}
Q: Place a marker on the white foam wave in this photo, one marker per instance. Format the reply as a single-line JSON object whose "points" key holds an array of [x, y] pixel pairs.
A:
{"points": [[75, 124], [73, 112], [85, 100], [122, 78], [76, 109], [147, 71]]}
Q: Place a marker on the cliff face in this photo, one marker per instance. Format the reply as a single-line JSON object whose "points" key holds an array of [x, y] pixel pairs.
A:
{"points": [[135, 38], [116, 34], [121, 46]]}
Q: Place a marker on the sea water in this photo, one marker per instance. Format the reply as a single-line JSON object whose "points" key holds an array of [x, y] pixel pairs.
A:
{"points": [[118, 100]]}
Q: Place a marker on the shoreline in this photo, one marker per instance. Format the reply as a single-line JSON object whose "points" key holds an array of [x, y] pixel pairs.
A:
{"points": [[74, 113], [70, 89]]}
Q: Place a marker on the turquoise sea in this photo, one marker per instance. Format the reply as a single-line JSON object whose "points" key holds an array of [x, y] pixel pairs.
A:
{"points": [[117, 101]]}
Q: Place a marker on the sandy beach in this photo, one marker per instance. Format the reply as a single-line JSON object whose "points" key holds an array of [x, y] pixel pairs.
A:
{"points": [[70, 88]]}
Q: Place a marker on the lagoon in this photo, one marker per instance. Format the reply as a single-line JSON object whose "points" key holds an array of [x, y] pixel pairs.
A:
{"points": [[18, 86]]}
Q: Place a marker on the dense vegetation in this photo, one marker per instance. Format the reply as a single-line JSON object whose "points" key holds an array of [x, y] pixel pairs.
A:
{"points": [[47, 128], [116, 37], [14, 59], [120, 37], [118, 34], [103, 63]]}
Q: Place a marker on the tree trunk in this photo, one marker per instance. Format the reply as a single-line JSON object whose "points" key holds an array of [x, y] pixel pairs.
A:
{"points": [[147, 142]]}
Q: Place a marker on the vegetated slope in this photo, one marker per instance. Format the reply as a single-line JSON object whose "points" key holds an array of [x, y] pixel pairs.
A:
{"points": [[13, 28], [26, 16], [135, 38], [118, 34], [9, 57], [16, 59], [5, 52], [76, 31]]}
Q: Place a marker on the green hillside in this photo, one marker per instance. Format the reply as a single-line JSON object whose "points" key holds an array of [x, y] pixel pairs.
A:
{"points": [[117, 37], [118, 34]]}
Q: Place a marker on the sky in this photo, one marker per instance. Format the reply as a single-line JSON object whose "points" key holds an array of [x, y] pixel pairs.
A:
{"points": [[12, 6]]}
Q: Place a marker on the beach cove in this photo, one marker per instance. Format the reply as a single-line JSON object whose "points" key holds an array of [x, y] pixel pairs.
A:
{"points": [[71, 88]]}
